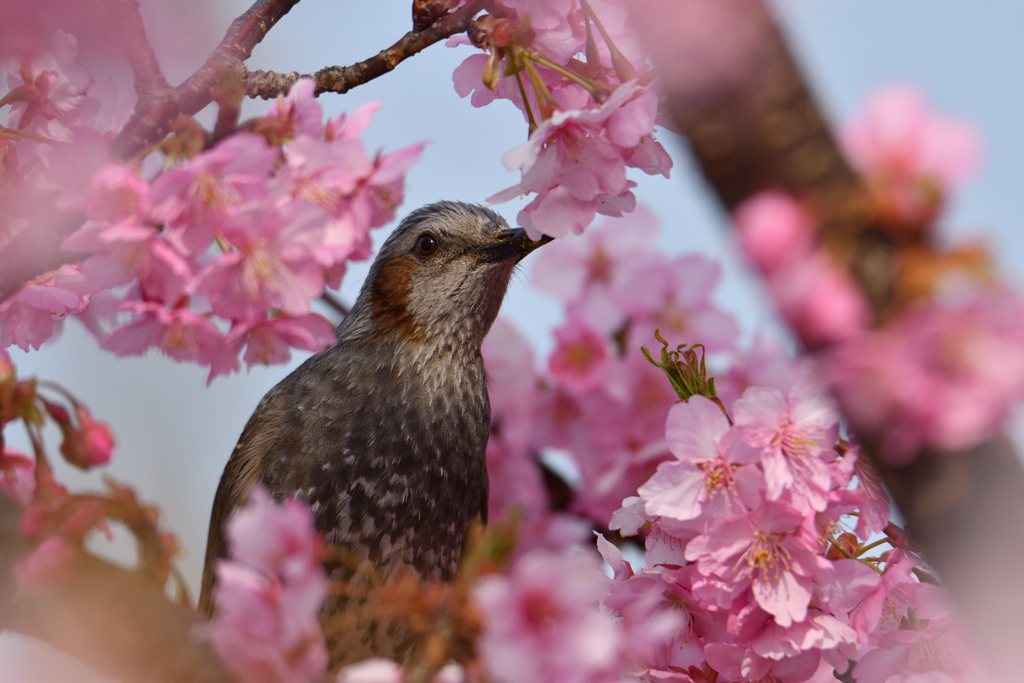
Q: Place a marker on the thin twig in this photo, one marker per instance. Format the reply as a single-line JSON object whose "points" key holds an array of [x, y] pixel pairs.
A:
{"points": [[150, 82], [341, 79], [335, 303], [244, 34]]}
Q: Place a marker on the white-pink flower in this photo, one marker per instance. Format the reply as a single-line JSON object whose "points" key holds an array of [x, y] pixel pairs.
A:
{"points": [[708, 479], [763, 550], [796, 435], [576, 162]]}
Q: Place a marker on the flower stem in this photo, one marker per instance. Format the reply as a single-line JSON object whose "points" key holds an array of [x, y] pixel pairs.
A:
{"points": [[596, 90], [526, 103]]}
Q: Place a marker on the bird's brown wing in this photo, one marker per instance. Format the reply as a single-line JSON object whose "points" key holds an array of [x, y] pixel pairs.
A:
{"points": [[262, 434]]}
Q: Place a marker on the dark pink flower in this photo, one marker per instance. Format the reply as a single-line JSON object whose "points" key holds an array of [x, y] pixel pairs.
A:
{"points": [[89, 444]]}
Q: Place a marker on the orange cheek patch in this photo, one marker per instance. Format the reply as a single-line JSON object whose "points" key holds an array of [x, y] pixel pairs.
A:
{"points": [[389, 297]]}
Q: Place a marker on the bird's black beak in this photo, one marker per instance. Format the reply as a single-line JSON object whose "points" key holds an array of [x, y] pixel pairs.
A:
{"points": [[512, 243]]}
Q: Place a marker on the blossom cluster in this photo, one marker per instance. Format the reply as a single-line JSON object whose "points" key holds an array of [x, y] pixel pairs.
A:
{"points": [[215, 253], [599, 402], [268, 594], [948, 365], [590, 119]]}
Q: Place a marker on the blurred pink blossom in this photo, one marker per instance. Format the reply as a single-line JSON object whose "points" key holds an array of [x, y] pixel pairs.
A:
{"points": [[911, 156], [774, 230], [266, 626], [17, 474], [542, 623], [31, 315], [49, 567], [943, 375]]}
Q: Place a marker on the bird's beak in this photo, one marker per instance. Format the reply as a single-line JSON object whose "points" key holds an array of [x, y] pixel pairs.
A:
{"points": [[512, 243]]}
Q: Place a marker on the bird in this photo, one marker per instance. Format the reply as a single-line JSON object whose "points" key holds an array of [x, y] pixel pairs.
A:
{"points": [[383, 435]]}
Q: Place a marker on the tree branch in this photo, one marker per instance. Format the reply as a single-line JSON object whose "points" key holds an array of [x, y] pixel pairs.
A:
{"points": [[735, 92], [114, 620], [151, 118], [341, 79]]}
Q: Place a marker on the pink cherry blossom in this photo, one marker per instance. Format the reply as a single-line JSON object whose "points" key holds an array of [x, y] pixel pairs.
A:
{"points": [[30, 316], [796, 435], [580, 357], [268, 595], [911, 156], [269, 341], [274, 264], [774, 230], [117, 194], [708, 479], [943, 375], [126, 252], [51, 90], [571, 266], [195, 196], [180, 333], [763, 550], [297, 113], [541, 621], [929, 641], [674, 295], [575, 162], [821, 302]]}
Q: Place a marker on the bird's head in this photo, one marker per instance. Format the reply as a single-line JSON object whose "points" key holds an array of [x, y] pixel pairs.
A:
{"points": [[443, 274]]}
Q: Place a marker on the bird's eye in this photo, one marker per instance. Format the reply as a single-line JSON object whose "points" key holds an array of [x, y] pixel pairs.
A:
{"points": [[426, 245]]}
